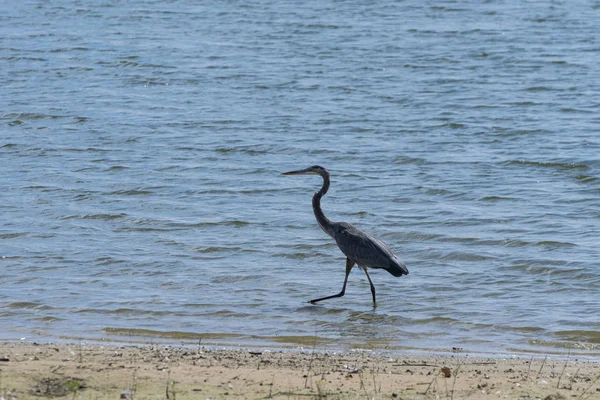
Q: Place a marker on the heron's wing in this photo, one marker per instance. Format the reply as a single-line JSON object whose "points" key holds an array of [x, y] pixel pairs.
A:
{"points": [[367, 250]]}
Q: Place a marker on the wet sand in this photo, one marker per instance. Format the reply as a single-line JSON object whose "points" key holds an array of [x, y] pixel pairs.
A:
{"points": [[82, 371]]}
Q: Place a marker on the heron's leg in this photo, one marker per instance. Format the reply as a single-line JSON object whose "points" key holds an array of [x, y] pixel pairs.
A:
{"points": [[349, 265], [370, 283]]}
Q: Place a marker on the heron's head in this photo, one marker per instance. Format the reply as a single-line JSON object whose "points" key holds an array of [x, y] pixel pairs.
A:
{"points": [[314, 170]]}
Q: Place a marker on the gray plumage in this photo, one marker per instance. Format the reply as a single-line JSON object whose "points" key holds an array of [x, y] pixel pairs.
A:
{"points": [[366, 250], [361, 248]]}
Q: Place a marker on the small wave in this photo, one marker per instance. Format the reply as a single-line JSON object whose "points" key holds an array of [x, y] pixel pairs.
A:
{"points": [[257, 191], [564, 345], [434, 191], [423, 237], [217, 249], [49, 318], [462, 256], [228, 314], [435, 320], [574, 274], [580, 335], [122, 311], [235, 278], [132, 64], [458, 239], [9, 314], [27, 305], [116, 168], [515, 243], [235, 223], [86, 150], [169, 334], [25, 59], [299, 255], [521, 103], [67, 49], [108, 261], [448, 9], [13, 235], [299, 340], [308, 247], [252, 152], [558, 165], [144, 229], [106, 217], [132, 192], [497, 198], [43, 188], [359, 214], [539, 89], [574, 110], [551, 243], [32, 116], [525, 328], [311, 26], [586, 178], [403, 160]]}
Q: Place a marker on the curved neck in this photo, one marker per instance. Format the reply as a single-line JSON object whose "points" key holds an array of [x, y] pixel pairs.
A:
{"points": [[324, 222]]}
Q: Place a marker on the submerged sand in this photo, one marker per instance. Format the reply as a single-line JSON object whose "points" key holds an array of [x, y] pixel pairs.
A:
{"points": [[81, 371]]}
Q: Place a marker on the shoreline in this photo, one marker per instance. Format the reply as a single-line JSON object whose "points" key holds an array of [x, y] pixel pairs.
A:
{"points": [[144, 337], [145, 371]]}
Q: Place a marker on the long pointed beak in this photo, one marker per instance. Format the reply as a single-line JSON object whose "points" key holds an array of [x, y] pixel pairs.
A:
{"points": [[298, 172]]}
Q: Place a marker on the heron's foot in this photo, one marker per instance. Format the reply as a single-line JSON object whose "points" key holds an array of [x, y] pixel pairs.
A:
{"points": [[328, 297]]}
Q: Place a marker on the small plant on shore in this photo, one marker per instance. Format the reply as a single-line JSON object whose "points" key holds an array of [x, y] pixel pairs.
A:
{"points": [[563, 370], [321, 393], [588, 388], [170, 388], [455, 376], [80, 351], [541, 368], [310, 362], [73, 387]]}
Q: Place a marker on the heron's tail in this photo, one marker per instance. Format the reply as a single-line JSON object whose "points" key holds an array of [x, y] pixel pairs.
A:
{"points": [[397, 267]]}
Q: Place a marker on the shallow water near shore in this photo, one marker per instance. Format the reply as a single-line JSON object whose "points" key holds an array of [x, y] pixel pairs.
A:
{"points": [[142, 145]]}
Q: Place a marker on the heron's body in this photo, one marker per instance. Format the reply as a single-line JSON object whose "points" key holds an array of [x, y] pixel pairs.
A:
{"points": [[366, 250], [361, 248]]}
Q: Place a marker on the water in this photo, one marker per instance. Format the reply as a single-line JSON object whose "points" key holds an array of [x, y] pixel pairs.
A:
{"points": [[142, 144]]}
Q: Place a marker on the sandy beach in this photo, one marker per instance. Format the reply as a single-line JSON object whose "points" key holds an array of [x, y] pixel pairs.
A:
{"points": [[82, 371]]}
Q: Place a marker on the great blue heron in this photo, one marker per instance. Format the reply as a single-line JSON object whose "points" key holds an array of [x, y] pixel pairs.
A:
{"points": [[360, 248]]}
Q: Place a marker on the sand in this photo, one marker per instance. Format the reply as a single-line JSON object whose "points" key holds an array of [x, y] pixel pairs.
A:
{"points": [[83, 371]]}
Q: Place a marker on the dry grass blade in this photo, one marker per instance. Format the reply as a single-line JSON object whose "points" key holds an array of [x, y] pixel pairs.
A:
{"points": [[542, 367], [454, 382], [563, 370], [589, 387]]}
